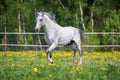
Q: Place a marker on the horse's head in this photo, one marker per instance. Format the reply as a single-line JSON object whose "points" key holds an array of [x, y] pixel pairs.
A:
{"points": [[39, 21], [42, 18]]}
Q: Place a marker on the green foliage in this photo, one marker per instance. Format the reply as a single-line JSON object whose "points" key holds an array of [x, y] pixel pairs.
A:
{"points": [[112, 22], [105, 15]]}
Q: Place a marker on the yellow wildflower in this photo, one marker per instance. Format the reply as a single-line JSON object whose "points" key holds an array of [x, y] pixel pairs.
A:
{"points": [[71, 71], [50, 75], [67, 54], [75, 68], [52, 64], [103, 68], [13, 64], [78, 78], [23, 54], [43, 54], [34, 54], [10, 55], [115, 58], [1, 54], [81, 68], [42, 65], [35, 69], [85, 53]]}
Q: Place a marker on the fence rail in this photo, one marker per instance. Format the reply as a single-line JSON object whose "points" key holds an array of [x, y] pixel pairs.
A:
{"points": [[6, 33], [44, 33], [26, 45]]}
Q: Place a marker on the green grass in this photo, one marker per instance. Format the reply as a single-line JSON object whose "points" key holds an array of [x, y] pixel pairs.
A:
{"points": [[31, 65]]}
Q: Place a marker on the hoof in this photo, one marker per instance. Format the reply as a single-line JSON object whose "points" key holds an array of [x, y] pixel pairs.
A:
{"points": [[80, 63], [76, 62], [51, 62]]}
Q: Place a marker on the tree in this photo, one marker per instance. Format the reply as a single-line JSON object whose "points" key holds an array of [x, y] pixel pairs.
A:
{"points": [[89, 15]]}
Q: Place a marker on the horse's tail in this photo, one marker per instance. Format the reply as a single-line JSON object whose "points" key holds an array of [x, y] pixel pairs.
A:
{"points": [[84, 38]]}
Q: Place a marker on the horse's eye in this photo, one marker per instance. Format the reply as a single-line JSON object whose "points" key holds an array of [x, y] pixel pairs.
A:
{"points": [[40, 19]]}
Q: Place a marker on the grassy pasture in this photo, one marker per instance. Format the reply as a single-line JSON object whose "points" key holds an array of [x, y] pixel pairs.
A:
{"points": [[31, 65]]}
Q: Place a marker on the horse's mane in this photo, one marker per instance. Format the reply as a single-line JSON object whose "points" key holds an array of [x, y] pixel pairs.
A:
{"points": [[50, 15]]}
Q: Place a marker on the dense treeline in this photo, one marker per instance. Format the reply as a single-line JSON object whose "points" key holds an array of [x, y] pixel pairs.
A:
{"points": [[88, 15]]}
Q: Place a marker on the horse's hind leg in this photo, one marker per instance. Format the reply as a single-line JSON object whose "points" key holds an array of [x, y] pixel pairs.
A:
{"points": [[74, 48], [78, 43], [80, 53], [74, 57]]}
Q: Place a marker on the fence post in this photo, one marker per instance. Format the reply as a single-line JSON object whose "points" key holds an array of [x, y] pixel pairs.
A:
{"points": [[39, 41], [112, 42], [5, 41]]}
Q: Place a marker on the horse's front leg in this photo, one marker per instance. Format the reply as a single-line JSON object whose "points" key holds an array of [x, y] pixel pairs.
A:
{"points": [[49, 56], [49, 52]]}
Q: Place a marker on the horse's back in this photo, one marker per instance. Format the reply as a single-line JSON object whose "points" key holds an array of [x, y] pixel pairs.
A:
{"points": [[67, 34], [72, 30]]}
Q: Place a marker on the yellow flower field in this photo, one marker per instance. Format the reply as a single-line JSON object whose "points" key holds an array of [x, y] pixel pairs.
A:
{"points": [[33, 65]]}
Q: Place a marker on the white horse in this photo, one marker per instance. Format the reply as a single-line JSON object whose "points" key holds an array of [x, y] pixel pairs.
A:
{"points": [[57, 35]]}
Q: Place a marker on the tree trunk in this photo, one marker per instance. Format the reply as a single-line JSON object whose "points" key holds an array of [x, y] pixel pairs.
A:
{"points": [[77, 21], [61, 4], [20, 37], [91, 16], [81, 11], [19, 22], [24, 36]]}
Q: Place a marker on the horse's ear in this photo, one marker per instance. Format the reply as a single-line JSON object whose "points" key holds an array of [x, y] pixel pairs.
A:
{"points": [[37, 13]]}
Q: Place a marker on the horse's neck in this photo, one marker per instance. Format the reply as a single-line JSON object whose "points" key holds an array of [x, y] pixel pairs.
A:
{"points": [[51, 27]]}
